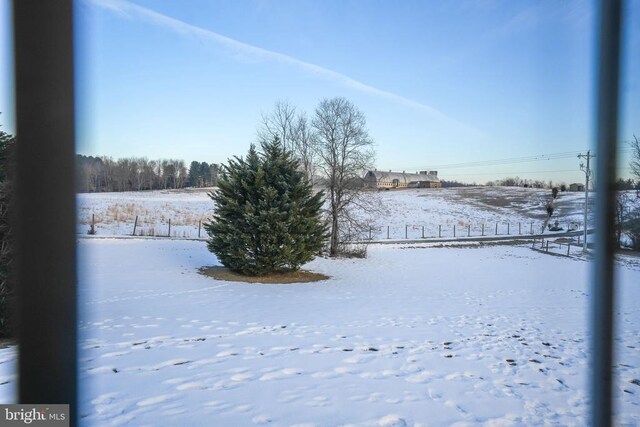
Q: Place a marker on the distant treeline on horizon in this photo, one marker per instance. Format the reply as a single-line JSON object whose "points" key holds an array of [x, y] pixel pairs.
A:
{"points": [[621, 184], [104, 174]]}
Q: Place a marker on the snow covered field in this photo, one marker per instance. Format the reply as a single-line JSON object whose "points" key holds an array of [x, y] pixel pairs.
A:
{"points": [[414, 335], [404, 211], [115, 213]]}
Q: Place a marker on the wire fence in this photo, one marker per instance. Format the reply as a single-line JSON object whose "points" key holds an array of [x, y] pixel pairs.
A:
{"points": [[457, 230], [560, 246], [145, 226]]}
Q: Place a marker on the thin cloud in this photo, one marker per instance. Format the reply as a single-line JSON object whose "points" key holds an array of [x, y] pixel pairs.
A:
{"points": [[130, 10]]}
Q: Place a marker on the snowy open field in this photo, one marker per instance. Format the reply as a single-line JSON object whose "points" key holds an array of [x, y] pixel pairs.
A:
{"points": [[437, 210], [414, 335]]}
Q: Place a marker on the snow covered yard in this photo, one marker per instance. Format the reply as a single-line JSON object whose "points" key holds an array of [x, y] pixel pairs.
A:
{"points": [[493, 335], [412, 335]]}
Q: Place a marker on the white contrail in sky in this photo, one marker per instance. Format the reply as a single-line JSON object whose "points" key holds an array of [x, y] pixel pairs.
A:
{"points": [[129, 9]]}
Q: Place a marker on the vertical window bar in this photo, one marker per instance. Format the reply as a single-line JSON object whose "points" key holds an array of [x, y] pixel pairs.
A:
{"points": [[45, 203], [603, 285]]}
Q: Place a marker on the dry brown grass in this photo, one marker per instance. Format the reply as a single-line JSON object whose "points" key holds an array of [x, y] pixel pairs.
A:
{"points": [[300, 276]]}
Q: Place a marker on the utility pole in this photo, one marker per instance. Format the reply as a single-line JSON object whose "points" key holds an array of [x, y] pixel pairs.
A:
{"points": [[587, 173]]}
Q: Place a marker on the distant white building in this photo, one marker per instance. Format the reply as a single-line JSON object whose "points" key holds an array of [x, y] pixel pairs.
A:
{"points": [[388, 180]]}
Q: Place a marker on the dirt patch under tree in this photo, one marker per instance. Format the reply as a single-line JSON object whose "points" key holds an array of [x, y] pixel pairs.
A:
{"points": [[300, 276]]}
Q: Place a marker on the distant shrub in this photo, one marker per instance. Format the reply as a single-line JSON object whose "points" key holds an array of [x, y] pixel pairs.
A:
{"points": [[352, 250]]}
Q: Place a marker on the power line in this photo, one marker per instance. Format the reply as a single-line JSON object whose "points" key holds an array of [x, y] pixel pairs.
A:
{"points": [[516, 173], [506, 161], [511, 160]]}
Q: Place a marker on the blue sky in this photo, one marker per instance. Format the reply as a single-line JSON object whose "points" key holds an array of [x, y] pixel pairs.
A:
{"points": [[440, 83]]}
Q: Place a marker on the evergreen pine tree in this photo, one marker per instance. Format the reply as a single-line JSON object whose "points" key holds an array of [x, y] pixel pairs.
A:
{"points": [[267, 218], [194, 174], [7, 147]]}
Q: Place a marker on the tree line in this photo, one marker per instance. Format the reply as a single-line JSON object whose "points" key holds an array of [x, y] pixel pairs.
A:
{"points": [[621, 184], [100, 174], [526, 183], [453, 184], [627, 184]]}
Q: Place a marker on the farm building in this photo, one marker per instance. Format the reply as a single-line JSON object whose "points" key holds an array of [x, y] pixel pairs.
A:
{"points": [[387, 180], [576, 187]]}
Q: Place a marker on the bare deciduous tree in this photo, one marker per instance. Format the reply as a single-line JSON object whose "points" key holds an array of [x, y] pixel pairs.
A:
{"points": [[293, 129], [181, 173], [345, 153], [279, 123], [632, 219], [214, 169], [634, 164], [124, 174], [623, 213], [141, 165], [303, 137], [108, 172]]}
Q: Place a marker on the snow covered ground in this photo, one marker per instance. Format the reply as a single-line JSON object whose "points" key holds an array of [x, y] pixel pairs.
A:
{"points": [[417, 335], [405, 212], [114, 214]]}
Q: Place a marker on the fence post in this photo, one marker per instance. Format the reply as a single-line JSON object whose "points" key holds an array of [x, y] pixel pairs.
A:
{"points": [[93, 224], [169, 235], [439, 231], [387, 231], [496, 228], [423, 231], [483, 229], [568, 248], [199, 225], [454, 230], [135, 224], [531, 231], [469, 230], [369, 232], [406, 232], [547, 249], [519, 228], [534, 243], [508, 231]]}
